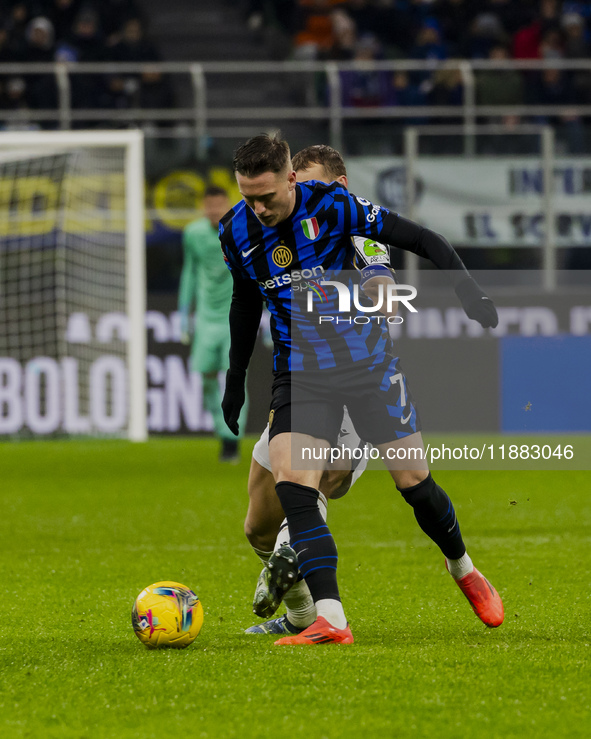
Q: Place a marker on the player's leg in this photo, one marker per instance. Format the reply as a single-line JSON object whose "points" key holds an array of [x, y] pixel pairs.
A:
{"points": [[263, 521], [436, 516], [300, 608], [264, 514], [310, 536], [335, 482], [267, 531], [388, 410], [433, 509], [209, 357]]}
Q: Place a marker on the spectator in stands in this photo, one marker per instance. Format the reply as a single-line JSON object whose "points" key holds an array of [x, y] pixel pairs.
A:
{"points": [[428, 46], [512, 15], [499, 86], [40, 48], [576, 40], [428, 43], [6, 53], [455, 18], [15, 94], [62, 13], [85, 42], [551, 44], [125, 89], [406, 94], [390, 20], [345, 37], [486, 32], [447, 89], [133, 46], [315, 36], [577, 46], [366, 88], [15, 25], [527, 40], [421, 12], [155, 91], [40, 37], [113, 15], [555, 88]]}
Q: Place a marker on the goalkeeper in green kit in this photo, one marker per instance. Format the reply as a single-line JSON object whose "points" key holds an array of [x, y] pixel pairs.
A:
{"points": [[207, 283]]}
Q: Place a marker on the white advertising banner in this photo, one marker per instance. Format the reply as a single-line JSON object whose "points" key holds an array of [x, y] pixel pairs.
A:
{"points": [[485, 201], [88, 392]]}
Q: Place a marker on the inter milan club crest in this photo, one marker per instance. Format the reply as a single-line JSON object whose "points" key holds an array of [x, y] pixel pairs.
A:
{"points": [[310, 228], [281, 255]]}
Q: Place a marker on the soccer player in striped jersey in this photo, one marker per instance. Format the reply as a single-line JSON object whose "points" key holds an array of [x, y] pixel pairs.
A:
{"points": [[264, 527], [282, 236]]}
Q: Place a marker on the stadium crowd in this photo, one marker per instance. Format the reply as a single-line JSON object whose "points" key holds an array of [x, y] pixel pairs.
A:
{"points": [[366, 30], [78, 31]]}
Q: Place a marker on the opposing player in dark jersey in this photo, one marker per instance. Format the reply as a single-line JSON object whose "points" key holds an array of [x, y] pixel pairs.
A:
{"points": [[265, 526], [284, 232]]}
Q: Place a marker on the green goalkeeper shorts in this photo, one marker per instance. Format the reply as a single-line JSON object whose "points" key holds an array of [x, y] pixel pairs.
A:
{"points": [[211, 347]]}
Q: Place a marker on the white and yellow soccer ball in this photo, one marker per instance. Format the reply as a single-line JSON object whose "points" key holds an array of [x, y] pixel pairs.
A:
{"points": [[167, 614]]}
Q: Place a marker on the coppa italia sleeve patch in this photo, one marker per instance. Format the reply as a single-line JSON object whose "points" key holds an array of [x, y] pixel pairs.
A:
{"points": [[370, 251]]}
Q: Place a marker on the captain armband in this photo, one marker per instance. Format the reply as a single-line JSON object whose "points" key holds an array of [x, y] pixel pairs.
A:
{"points": [[375, 270]]}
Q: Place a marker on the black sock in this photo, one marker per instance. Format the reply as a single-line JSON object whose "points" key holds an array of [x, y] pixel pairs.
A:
{"points": [[435, 514], [311, 539]]}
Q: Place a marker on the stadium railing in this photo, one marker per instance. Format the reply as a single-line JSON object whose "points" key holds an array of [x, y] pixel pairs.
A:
{"points": [[230, 121], [412, 134]]}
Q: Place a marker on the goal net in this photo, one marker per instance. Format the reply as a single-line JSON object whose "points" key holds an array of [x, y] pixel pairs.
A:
{"points": [[72, 285]]}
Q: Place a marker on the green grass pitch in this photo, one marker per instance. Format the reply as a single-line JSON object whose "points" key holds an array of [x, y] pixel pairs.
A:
{"points": [[86, 525]]}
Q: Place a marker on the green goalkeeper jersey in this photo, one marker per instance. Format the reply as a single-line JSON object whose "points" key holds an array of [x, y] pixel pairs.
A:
{"points": [[205, 279]]}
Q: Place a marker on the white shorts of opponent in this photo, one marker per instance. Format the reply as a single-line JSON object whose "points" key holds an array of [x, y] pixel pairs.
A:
{"points": [[348, 438]]}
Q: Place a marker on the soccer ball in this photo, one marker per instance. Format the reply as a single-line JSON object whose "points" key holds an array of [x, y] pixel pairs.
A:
{"points": [[167, 614]]}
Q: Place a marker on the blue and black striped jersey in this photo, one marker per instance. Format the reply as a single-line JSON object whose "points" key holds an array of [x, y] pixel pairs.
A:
{"points": [[329, 232]]}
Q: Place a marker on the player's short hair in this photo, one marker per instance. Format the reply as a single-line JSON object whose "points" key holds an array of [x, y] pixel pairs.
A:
{"points": [[321, 154], [260, 154], [215, 191]]}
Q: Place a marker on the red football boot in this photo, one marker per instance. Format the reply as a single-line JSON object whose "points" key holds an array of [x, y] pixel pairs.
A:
{"points": [[484, 599], [321, 632]]}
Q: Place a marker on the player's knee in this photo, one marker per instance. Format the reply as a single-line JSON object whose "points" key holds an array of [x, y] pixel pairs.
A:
{"points": [[306, 478], [409, 479]]}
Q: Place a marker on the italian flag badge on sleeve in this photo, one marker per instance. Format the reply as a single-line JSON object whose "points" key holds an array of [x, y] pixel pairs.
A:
{"points": [[310, 228]]}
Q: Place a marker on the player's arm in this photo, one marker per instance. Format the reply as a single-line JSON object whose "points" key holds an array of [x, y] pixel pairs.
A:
{"points": [[376, 281], [381, 224], [187, 286], [245, 316], [413, 237]]}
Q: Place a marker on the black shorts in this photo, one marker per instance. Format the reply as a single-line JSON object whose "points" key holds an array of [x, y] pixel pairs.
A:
{"points": [[376, 395]]}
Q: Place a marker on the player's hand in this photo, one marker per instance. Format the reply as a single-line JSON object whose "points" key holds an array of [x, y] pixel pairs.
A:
{"points": [[234, 397], [476, 303]]}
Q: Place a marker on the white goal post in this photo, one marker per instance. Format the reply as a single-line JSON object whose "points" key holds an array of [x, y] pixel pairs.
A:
{"points": [[72, 251]]}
